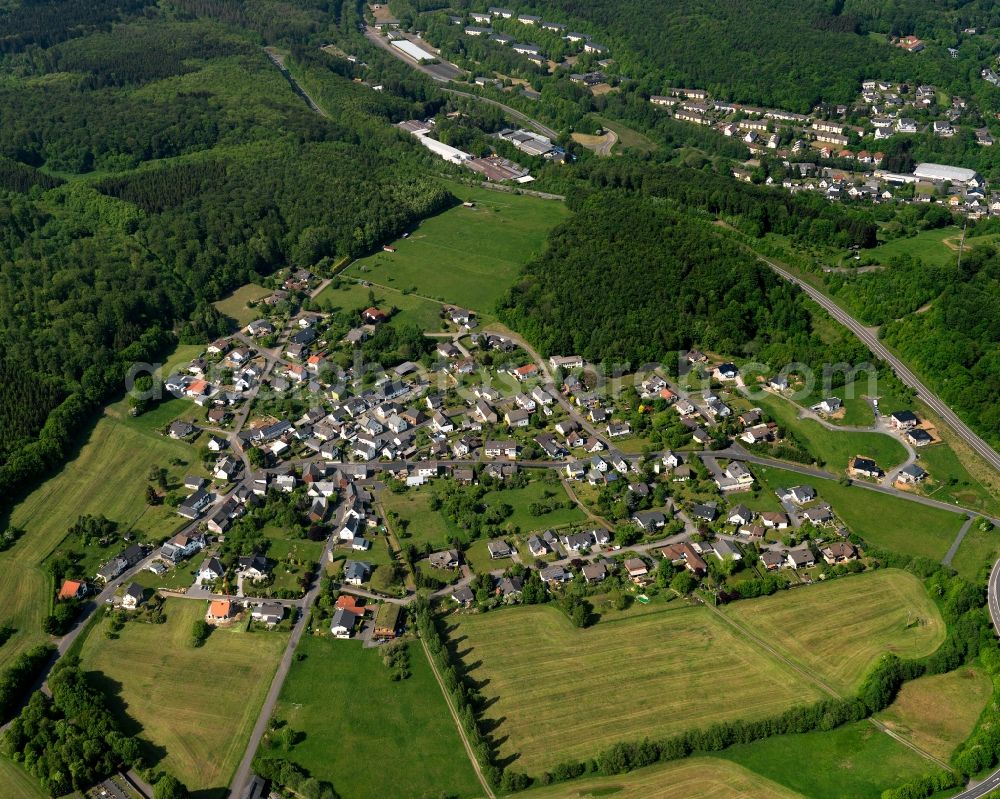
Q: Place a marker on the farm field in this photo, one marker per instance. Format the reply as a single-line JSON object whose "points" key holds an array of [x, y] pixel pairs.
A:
{"points": [[864, 760], [187, 702], [838, 629], [235, 305], [467, 256], [543, 722], [396, 728], [108, 476], [834, 448], [18, 783], [350, 296], [691, 778], [937, 713], [883, 521]]}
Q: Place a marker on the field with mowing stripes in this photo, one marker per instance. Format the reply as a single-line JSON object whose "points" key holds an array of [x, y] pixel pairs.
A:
{"points": [[195, 706], [544, 679], [18, 783], [467, 256], [838, 629], [692, 778]]}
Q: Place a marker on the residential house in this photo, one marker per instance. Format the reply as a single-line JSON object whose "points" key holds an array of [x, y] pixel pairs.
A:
{"points": [[342, 623], [388, 621], [269, 613], [219, 611], [356, 572], [801, 558], [499, 549], [636, 569], [446, 559], [133, 596], [839, 552]]}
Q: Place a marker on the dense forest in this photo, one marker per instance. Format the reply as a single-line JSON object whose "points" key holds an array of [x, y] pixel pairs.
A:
{"points": [[632, 279], [945, 320], [96, 273]]}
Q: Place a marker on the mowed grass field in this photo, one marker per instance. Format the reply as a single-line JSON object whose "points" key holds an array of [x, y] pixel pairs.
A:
{"points": [[235, 305], [691, 778], [855, 761], [16, 783], [196, 707], [885, 521], [838, 629], [545, 679], [521, 499], [367, 735], [467, 256], [108, 477], [937, 713]]}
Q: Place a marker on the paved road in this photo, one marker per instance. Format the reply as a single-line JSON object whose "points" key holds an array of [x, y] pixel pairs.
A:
{"points": [[870, 339], [242, 776]]}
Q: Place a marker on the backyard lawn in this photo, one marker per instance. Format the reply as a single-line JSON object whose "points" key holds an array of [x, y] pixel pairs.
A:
{"points": [[539, 674], [369, 736], [870, 614], [467, 256], [194, 706]]}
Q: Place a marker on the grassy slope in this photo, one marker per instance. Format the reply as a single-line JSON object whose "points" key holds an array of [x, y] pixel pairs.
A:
{"points": [[977, 554], [425, 314], [542, 674], [852, 762], [838, 629], [196, 706], [108, 477], [366, 727], [938, 713], [235, 305], [927, 245], [885, 521], [834, 447], [467, 256], [692, 778]]}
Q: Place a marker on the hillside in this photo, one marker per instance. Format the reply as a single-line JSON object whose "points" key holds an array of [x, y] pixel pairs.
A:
{"points": [[169, 164], [630, 279]]}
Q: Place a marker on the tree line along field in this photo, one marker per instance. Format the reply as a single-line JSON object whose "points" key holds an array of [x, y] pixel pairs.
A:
{"points": [[691, 778], [372, 737], [107, 476], [194, 706], [838, 629], [686, 667], [467, 256], [543, 679]]}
